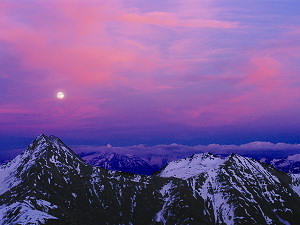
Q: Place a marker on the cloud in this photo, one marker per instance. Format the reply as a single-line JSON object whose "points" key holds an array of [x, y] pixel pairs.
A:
{"points": [[295, 158], [176, 151], [158, 153], [165, 19]]}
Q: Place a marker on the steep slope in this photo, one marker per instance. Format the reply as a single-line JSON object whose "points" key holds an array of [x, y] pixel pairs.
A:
{"points": [[29, 180], [125, 163], [239, 190]]}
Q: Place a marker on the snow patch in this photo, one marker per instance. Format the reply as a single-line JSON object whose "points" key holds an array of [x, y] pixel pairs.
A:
{"points": [[296, 183], [26, 215], [8, 177], [168, 199]]}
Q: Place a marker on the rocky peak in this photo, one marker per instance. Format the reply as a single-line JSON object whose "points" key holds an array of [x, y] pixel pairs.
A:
{"points": [[192, 166], [49, 146]]}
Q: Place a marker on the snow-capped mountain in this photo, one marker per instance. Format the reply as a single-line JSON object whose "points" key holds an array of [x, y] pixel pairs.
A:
{"points": [[148, 163], [239, 190], [119, 162], [50, 184]]}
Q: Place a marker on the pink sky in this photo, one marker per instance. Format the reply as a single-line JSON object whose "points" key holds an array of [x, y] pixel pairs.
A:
{"points": [[145, 70]]}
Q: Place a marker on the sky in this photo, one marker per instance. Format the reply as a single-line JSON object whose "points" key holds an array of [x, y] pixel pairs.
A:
{"points": [[150, 72]]}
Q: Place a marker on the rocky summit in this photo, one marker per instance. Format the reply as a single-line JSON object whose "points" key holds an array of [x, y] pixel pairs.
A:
{"points": [[49, 184]]}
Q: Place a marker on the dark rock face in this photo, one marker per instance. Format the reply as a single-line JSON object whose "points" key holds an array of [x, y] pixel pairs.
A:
{"points": [[50, 184]]}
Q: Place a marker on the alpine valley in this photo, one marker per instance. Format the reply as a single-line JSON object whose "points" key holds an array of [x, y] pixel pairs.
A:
{"points": [[49, 184]]}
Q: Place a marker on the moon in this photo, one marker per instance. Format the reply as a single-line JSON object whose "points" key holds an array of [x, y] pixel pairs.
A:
{"points": [[60, 95]]}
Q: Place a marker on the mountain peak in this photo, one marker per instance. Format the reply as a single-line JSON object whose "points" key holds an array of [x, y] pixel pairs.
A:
{"points": [[49, 143], [49, 150], [40, 142], [191, 166], [41, 137], [232, 155], [120, 162], [204, 155]]}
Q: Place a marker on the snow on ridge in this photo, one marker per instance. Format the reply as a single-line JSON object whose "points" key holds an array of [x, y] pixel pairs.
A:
{"points": [[296, 183], [168, 200], [27, 214], [7, 176], [193, 166], [205, 162]]}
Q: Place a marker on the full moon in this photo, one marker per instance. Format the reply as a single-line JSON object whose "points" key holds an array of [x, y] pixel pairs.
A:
{"points": [[60, 95]]}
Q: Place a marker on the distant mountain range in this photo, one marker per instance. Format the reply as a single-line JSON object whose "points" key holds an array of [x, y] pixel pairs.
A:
{"points": [[289, 165], [145, 165], [119, 162], [49, 184]]}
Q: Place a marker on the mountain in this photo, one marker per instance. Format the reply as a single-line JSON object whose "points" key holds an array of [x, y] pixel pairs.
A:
{"points": [[119, 162], [50, 184], [149, 163], [240, 190]]}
